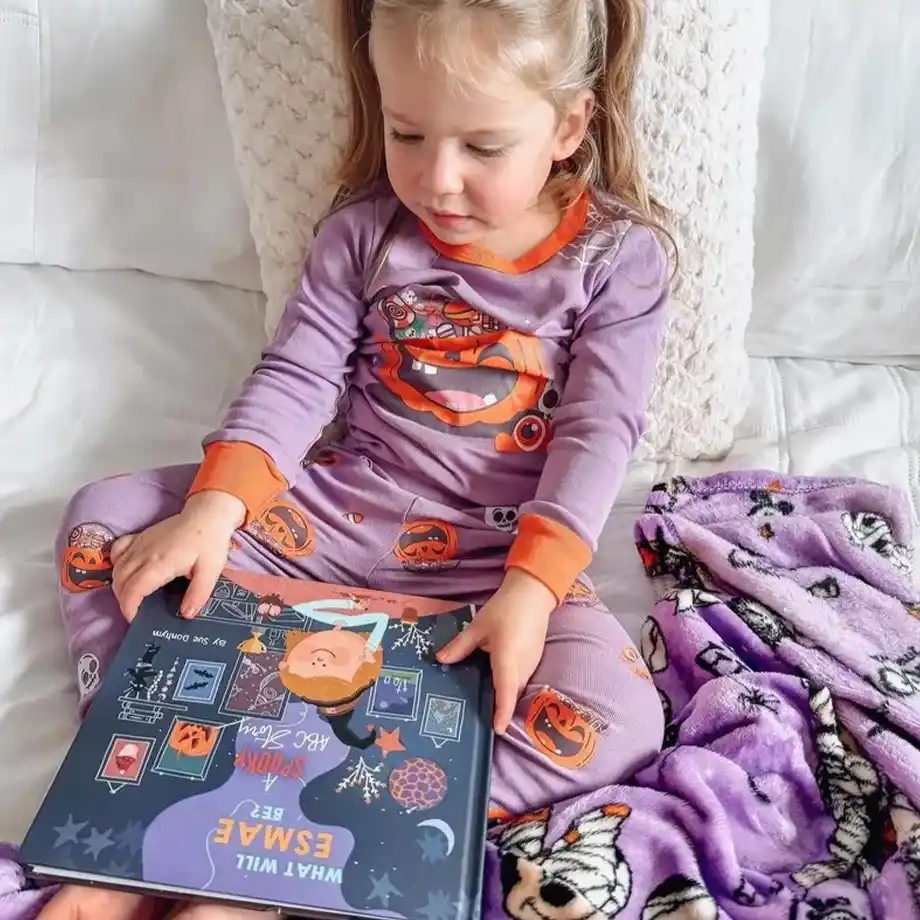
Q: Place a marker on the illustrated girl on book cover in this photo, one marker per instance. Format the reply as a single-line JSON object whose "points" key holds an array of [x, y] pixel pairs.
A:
{"points": [[333, 668]]}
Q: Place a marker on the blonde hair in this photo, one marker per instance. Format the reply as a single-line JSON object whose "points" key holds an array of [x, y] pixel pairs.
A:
{"points": [[559, 47]]}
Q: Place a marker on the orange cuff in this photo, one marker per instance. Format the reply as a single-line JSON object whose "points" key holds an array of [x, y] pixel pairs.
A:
{"points": [[243, 470], [551, 552]]}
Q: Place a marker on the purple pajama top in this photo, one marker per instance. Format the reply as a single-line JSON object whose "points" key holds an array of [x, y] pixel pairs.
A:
{"points": [[467, 378]]}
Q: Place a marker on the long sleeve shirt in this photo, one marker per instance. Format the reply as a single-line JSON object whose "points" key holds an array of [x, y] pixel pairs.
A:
{"points": [[468, 378]]}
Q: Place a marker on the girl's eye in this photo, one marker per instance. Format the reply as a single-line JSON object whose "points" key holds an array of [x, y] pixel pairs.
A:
{"points": [[401, 138], [486, 152]]}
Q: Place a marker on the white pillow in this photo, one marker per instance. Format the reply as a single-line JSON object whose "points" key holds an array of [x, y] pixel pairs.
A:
{"points": [[838, 222], [698, 100], [114, 146]]}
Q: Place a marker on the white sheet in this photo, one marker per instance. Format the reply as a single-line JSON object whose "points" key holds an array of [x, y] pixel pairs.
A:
{"points": [[86, 356], [838, 213]]}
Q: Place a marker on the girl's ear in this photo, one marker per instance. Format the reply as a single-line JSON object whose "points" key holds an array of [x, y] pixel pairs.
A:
{"points": [[573, 125]]}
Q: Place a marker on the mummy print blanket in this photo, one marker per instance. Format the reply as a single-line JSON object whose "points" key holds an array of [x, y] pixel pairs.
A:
{"points": [[785, 647]]}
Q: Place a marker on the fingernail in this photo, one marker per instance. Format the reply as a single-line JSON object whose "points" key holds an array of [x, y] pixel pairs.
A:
{"points": [[189, 613]]}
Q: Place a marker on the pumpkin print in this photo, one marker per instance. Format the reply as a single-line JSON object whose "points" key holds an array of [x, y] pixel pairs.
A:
{"points": [[426, 545], [559, 730], [284, 529], [86, 564], [492, 384], [581, 595], [192, 739]]}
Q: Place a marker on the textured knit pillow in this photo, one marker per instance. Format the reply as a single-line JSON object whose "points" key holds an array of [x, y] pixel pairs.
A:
{"points": [[698, 96]]}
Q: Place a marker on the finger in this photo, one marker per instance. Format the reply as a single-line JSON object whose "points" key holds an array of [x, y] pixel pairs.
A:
{"points": [[121, 546], [126, 567], [147, 579], [507, 688], [463, 644], [204, 577]]}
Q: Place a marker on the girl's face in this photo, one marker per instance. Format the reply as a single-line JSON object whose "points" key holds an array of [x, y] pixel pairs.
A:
{"points": [[470, 160], [333, 652]]}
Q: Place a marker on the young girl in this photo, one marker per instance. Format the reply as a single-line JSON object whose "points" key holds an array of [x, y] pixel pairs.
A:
{"points": [[488, 293]]}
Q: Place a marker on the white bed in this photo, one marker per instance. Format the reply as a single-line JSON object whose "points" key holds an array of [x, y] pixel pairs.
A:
{"points": [[108, 370]]}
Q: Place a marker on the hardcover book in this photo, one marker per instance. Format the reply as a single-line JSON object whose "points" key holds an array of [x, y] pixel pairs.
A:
{"points": [[296, 746]]}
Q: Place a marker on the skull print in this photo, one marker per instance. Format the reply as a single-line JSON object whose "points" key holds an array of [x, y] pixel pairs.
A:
{"points": [[503, 518], [88, 675]]}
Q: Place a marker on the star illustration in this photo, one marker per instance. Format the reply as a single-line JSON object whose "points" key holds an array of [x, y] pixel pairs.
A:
{"points": [[116, 868], [439, 906], [97, 842], [69, 832], [132, 837], [434, 848], [383, 889], [388, 741]]}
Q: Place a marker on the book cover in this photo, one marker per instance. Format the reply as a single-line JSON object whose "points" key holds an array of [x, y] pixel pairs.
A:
{"points": [[295, 746]]}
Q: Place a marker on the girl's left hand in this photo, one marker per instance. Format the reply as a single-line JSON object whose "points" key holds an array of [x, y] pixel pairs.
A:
{"points": [[511, 628]]}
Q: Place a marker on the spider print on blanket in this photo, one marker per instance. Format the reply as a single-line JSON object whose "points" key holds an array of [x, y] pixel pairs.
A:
{"points": [[802, 757]]}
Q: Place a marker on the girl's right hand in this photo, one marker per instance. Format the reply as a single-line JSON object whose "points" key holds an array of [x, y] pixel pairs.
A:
{"points": [[193, 544]]}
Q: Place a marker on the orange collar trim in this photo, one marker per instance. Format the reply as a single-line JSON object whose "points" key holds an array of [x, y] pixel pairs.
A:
{"points": [[572, 223]]}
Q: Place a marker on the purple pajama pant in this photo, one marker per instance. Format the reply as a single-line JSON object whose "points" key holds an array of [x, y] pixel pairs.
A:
{"points": [[590, 715]]}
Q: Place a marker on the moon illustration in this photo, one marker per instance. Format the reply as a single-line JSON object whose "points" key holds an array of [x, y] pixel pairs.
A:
{"points": [[444, 828]]}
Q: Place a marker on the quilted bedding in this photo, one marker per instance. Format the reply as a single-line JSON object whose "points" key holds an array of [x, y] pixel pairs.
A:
{"points": [[174, 354]]}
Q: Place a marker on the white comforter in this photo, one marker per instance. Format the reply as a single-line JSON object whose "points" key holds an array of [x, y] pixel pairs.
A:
{"points": [[108, 372]]}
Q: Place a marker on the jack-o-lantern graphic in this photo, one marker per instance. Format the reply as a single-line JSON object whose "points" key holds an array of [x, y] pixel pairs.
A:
{"points": [[192, 739], [558, 730], [284, 529], [427, 545], [581, 595], [86, 564], [493, 384]]}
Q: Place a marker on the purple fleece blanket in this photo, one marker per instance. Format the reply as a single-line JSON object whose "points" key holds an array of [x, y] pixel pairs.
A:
{"points": [[786, 649]]}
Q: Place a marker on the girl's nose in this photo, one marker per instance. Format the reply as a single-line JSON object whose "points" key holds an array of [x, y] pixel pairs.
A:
{"points": [[443, 172]]}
